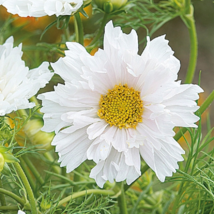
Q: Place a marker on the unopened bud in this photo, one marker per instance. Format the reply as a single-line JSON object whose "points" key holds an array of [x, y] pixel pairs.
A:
{"points": [[36, 136], [110, 5], [45, 203], [1, 162]]}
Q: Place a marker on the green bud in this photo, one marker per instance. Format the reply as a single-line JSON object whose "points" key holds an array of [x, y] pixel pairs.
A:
{"points": [[6, 170], [110, 5], [1, 162], [36, 136], [9, 158], [45, 204], [5, 130], [6, 157]]}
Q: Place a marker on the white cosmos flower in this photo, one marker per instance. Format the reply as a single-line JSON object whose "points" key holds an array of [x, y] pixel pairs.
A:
{"points": [[138, 94], [20, 212], [38, 8], [17, 82]]}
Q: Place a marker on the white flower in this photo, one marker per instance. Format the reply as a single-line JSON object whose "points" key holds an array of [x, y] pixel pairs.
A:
{"points": [[20, 212], [38, 8], [17, 82], [136, 94]]}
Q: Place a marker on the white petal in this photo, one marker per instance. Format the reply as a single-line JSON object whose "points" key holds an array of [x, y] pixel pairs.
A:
{"points": [[17, 82], [120, 140], [114, 37], [72, 148], [99, 150], [21, 212], [40, 8], [96, 129]]}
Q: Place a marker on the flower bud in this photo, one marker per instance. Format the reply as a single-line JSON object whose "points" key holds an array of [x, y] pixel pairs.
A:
{"points": [[36, 136], [5, 130], [110, 5], [45, 203], [1, 162], [6, 157]]}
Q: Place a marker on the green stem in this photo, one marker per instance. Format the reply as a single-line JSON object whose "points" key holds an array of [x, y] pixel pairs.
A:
{"points": [[101, 28], [12, 195], [33, 170], [2, 198], [23, 113], [63, 171], [188, 6], [27, 187], [122, 201], [200, 111], [79, 29], [85, 192], [193, 46], [27, 173], [7, 208], [67, 33], [143, 170], [34, 99], [48, 156], [77, 177]]}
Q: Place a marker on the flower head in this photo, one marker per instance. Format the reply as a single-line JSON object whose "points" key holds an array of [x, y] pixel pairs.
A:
{"points": [[17, 82], [117, 106], [40, 8], [110, 5], [6, 156], [20, 212]]}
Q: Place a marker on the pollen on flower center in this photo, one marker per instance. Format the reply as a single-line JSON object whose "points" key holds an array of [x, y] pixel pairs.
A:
{"points": [[121, 107]]}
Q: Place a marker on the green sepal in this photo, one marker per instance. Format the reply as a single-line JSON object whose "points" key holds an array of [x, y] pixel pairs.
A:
{"points": [[81, 10], [6, 170], [2, 161], [4, 149], [123, 9], [10, 158], [108, 7]]}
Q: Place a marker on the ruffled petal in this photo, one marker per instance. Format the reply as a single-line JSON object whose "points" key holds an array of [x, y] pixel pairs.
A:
{"points": [[17, 82], [41, 8], [115, 168]]}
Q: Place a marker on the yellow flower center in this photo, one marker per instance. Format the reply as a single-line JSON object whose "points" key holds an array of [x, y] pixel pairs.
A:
{"points": [[121, 107]]}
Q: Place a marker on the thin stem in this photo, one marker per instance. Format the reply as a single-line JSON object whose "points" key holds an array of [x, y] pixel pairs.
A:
{"points": [[23, 113], [7, 208], [34, 99], [143, 170], [63, 171], [48, 156], [77, 177], [79, 29], [67, 33], [27, 187], [27, 173], [200, 111], [122, 201], [85, 192], [187, 6], [12, 195], [104, 21], [193, 46], [33, 170], [2, 198]]}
